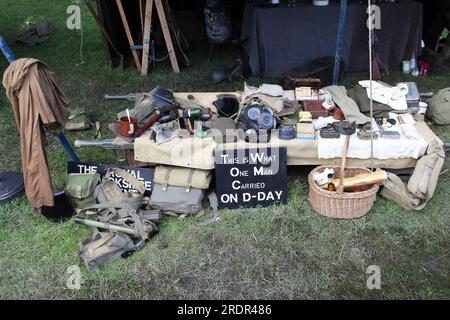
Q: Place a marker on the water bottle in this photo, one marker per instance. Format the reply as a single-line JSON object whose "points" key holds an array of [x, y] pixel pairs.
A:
{"points": [[414, 68]]}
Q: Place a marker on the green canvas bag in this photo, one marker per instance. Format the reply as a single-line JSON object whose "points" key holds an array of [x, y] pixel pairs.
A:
{"points": [[80, 189]]}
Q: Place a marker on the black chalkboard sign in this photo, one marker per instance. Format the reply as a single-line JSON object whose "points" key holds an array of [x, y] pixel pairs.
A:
{"points": [[145, 175], [251, 178]]}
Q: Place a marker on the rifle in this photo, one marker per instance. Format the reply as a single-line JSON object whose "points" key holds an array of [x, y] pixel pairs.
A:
{"points": [[129, 97], [114, 144], [109, 144]]}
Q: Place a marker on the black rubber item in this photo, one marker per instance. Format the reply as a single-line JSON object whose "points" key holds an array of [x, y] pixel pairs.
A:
{"points": [[227, 106], [266, 121], [253, 113], [11, 186], [162, 97], [224, 73], [62, 211]]}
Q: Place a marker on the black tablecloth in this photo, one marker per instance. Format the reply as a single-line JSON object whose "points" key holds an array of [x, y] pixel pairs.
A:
{"points": [[280, 38]]}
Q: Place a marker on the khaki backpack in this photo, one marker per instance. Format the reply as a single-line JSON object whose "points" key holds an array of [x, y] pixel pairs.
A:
{"points": [[439, 107]]}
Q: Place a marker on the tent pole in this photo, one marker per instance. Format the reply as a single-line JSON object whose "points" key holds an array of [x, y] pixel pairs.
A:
{"points": [[339, 41], [62, 138]]}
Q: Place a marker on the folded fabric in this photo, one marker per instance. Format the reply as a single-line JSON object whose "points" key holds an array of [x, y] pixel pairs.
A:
{"points": [[359, 94], [347, 104], [421, 186], [272, 90], [383, 149], [395, 97], [322, 122]]}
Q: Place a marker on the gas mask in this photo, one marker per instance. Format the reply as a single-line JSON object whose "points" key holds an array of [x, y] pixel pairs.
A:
{"points": [[255, 121]]}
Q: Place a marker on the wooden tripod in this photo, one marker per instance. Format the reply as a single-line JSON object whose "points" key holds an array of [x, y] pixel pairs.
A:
{"points": [[146, 39]]}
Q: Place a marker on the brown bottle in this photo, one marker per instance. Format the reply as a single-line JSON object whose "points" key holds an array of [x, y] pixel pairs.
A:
{"points": [[331, 186]]}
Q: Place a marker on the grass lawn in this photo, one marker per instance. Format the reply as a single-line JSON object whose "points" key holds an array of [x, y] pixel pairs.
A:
{"points": [[286, 252]]}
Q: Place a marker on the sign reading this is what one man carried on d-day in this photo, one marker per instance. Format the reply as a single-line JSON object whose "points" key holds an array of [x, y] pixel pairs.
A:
{"points": [[251, 178]]}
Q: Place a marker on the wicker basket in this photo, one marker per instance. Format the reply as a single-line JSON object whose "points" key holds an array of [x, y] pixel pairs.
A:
{"points": [[349, 205]]}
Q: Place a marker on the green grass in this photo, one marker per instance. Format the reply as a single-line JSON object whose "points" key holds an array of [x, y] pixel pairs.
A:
{"points": [[285, 252]]}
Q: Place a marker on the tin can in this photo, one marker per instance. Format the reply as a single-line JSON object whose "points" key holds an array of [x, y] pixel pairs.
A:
{"points": [[127, 128]]}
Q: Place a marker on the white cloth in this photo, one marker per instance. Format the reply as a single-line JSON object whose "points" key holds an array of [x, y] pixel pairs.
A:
{"points": [[322, 122], [272, 90], [395, 97], [383, 149]]}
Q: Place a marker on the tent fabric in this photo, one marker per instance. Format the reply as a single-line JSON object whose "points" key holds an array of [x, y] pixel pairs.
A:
{"points": [[278, 39]]}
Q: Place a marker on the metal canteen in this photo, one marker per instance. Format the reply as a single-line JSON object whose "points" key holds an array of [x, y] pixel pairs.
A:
{"points": [[287, 132]]}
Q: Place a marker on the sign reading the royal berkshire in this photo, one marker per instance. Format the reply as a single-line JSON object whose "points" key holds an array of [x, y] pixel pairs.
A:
{"points": [[142, 174], [251, 178]]}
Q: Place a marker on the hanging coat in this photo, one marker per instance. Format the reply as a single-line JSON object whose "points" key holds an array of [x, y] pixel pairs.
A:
{"points": [[37, 102]]}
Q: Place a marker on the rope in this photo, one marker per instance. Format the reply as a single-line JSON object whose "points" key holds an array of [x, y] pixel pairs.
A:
{"points": [[371, 79], [81, 38], [81, 44]]}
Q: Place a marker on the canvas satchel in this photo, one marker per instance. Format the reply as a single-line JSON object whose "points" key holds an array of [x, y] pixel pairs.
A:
{"points": [[80, 189], [175, 191], [439, 107]]}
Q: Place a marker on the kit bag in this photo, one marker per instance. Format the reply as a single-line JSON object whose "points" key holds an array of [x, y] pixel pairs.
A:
{"points": [[80, 189], [179, 190], [439, 107]]}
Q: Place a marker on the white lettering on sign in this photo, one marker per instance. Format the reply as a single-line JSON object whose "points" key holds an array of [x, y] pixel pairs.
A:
{"points": [[229, 198], [262, 158], [237, 185], [87, 169], [261, 171], [251, 177]]}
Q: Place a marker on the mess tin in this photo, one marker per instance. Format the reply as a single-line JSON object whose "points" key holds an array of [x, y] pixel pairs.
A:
{"points": [[127, 128]]}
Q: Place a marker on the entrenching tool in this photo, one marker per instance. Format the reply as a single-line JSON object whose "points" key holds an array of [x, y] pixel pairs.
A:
{"points": [[347, 129], [106, 226]]}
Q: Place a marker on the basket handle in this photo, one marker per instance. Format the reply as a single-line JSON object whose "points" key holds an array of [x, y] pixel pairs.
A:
{"points": [[340, 189]]}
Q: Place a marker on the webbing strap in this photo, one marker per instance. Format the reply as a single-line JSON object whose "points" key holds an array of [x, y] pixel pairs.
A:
{"points": [[108, 205], [138, 185], [189, 180], [166, 178], [214, 203]]}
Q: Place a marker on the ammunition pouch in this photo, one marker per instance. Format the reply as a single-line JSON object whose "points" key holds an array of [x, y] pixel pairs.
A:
{"points": [[80, 189]]}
